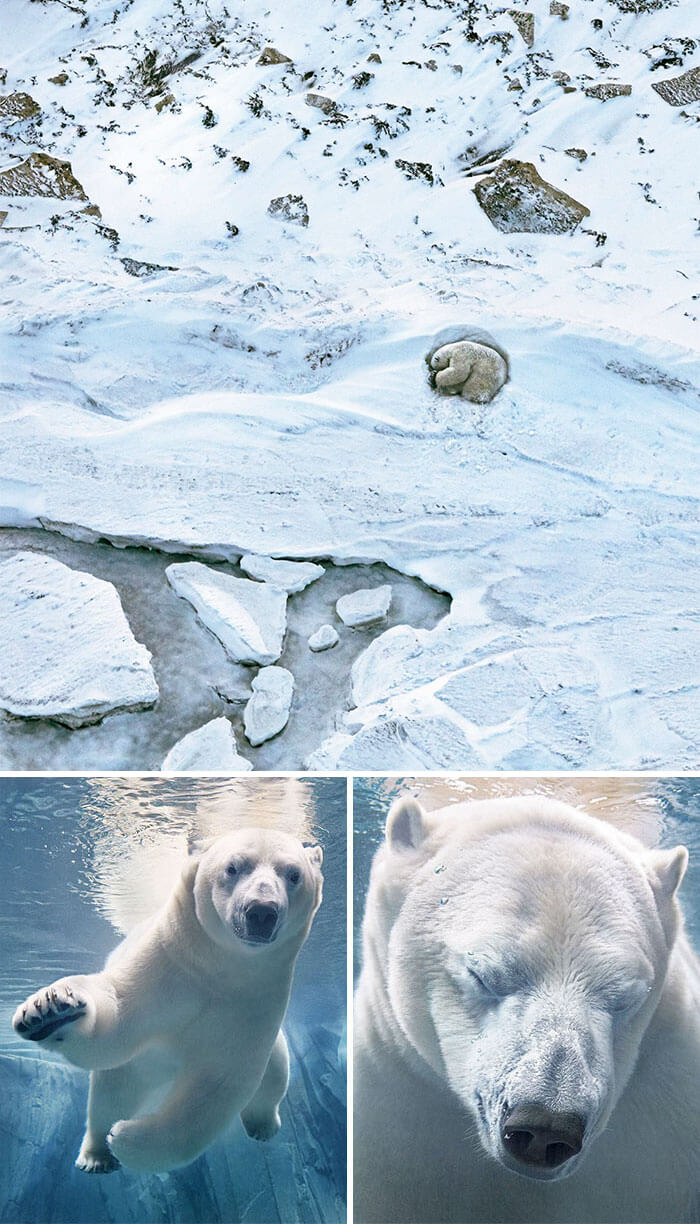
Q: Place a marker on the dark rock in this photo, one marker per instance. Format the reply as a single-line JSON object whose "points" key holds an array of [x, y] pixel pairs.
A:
{"points": [[579, 154], [41, 175], [18, 106], [517, 200], [415, 170], [557, 9], [678, 91], [525, 24], [327, 105], [270, 55], [289, 208], [140, 267], [61, 79], [607, 89]]}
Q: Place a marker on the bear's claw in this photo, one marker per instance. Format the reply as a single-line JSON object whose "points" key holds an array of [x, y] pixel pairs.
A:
{"points": [[47, 1011]]}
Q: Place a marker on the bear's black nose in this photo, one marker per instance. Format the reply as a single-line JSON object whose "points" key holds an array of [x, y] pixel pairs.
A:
{"points": [[261, 921], [534, 1135]]}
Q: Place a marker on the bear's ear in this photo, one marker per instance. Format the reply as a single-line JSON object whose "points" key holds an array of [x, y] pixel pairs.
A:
{"points": [[667, 870], [315, 855], [405, 825], [197, 845]]}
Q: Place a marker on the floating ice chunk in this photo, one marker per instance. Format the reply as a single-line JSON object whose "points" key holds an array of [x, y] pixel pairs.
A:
{"points": [[249, 618], [364, 607], [290, 576], [68, 652], [324, 638], [267, 712], [212, 746]]}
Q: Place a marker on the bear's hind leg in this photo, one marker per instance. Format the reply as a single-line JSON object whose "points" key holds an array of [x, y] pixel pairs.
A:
{"points": [[261, 1117], [114, 1094]]}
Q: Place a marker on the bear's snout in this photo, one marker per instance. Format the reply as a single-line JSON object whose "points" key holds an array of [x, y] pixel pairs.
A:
{"points": [[261, 921], [539, 1139]]}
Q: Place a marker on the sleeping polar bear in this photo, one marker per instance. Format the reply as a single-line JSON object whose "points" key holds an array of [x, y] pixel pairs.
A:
{"points": [[467, 361], [527, 1023], [181, 1029]]}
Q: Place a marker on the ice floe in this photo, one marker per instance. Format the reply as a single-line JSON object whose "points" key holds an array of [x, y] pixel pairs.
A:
{"points": [[267, 712], [366, 607], [290, 576], [249, 618], [325, 638], [212, 746], [68, 653]]}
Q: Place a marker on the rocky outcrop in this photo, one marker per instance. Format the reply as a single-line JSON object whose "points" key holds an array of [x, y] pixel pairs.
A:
{"points": [[289, 208], [517, 200], [19, 106], [267, 712], [68, 653], [679, 91], [524, 23], [605, 90], [212, 746], [248, 618], [270, 55], [41, 175]]}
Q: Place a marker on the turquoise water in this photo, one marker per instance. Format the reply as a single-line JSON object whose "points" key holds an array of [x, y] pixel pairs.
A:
{"points": [[660, 811], [79, 857]]}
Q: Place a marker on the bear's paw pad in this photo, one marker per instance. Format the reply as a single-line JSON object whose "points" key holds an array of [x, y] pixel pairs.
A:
{"points": [[261, 1126], [48, 1010]]}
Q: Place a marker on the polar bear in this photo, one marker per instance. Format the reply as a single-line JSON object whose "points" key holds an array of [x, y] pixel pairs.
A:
{"points": [[181, 1029], [468, 362], [527, 1023]]}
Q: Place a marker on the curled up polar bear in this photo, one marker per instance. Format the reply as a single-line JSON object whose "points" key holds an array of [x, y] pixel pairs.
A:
{"points": [[468, 362], [527, 1023], [181, 1030]]}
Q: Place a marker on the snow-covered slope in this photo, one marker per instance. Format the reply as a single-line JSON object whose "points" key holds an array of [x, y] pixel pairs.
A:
{"points": [[201, 368]]}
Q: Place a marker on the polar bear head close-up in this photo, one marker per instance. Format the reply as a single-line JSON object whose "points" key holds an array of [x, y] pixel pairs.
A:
{"points": [[522, 948], [255, 888]]}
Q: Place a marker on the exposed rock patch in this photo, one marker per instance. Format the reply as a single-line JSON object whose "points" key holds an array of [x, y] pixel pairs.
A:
{"points": [[269, 55], [605, 90], [68, 652], [679, 91], [524, 23], [248, 618], [517, 200], [41, 175], [267, 712], [19, 106], [289, 208]]}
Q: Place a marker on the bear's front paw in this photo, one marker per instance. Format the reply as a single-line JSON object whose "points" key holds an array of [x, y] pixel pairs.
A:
{"points": [[261, 1126], [48, 1010]]}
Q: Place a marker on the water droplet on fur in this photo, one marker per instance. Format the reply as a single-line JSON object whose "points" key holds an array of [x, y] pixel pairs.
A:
{"points": [[442, 867], [444, 900]]}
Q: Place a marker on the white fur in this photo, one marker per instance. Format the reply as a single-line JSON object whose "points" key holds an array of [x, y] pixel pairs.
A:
{"points": [[181, 1029], [518, 951]]}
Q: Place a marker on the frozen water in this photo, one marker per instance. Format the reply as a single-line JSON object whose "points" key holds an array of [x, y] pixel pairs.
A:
{"points": [[291, 576], [68, 652], [249, 618], [212, 746], [267, 712], [212, 380]]}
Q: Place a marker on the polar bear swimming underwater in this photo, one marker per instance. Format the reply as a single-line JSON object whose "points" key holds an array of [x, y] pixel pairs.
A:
{"points": [[527, 1023], [181, 1029]]}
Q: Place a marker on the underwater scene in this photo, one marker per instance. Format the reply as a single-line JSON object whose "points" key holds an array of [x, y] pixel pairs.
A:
{"points": [[660, 811], [85, 860]]}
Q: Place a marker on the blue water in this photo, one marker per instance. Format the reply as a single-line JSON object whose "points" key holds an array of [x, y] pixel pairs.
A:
{"points": [[61, 843], [660, 811]]}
